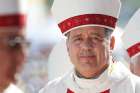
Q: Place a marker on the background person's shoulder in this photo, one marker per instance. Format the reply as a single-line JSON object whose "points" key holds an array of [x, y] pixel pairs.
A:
{"points": [[52, 86], [136, 82]]}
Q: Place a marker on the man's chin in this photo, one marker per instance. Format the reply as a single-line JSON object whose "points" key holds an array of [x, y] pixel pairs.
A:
{"points": [[88, 59], [88, 65]]}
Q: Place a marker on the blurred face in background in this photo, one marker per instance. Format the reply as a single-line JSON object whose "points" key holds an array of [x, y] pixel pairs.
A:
{"points": [[135, 65], [12, 53], [88, 48]]}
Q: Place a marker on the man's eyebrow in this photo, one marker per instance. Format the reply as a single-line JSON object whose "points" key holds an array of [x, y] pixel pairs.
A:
{"points": [[96, 34], [77, 35]]}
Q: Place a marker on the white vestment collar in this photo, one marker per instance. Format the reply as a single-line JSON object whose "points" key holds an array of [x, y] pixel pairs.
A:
{"points": [[114, 73]]}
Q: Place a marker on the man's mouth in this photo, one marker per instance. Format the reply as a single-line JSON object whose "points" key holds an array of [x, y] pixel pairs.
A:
{"points": [[87, 57]]}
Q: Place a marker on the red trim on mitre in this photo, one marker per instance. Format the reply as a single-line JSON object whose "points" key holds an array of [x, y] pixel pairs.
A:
{"points": [[69, 91], [106, 91], [134, 49], [87, 19], [12, 20]]}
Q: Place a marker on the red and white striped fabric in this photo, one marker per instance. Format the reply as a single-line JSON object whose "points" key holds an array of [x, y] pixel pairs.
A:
{"points": [[11, 14], [78, 13], [131, 36]]}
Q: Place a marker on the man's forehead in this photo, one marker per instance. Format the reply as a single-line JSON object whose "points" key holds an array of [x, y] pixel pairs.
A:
{"points": [[88, 29]]}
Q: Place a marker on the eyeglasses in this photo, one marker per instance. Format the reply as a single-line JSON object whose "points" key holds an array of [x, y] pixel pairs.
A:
{"points": [[14, 42]]}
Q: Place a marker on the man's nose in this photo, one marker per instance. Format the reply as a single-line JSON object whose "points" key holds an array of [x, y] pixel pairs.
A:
{"points": [[87, 44]]}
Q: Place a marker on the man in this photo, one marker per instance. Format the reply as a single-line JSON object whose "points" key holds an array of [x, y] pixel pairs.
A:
{"points": [[88, 25], [12, 44], [131, 41]]}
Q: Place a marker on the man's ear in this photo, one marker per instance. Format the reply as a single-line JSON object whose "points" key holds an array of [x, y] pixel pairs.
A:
{"points": [[67, 40], [132, 67], [112, 43], [67, 44]]}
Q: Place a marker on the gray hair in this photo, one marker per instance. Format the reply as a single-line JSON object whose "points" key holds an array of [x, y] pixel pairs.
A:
{"points": [[108, 33]]}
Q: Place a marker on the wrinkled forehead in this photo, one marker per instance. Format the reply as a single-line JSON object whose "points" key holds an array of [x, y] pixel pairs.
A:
{"points": [[88, 30]]}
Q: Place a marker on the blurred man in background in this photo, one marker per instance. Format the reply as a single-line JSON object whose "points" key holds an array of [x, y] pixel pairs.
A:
{"points": [[12, 44], [131, 41]]}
